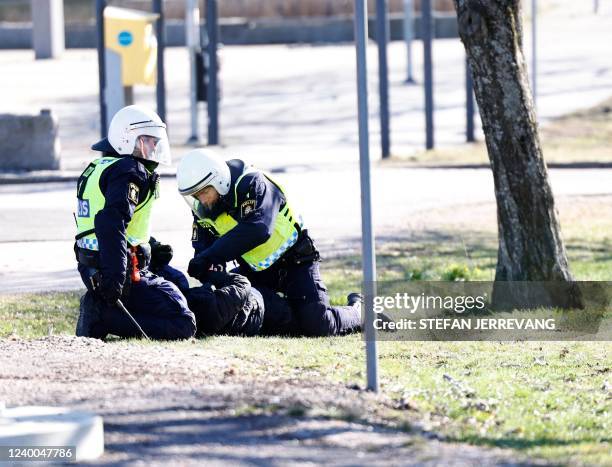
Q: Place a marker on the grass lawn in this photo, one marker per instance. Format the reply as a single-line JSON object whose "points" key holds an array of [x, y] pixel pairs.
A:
{"points": [[551, 400], [577, 138]]}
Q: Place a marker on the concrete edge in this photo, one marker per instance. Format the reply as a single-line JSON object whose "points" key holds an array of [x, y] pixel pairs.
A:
{"points": [[46, 176], [72, 176], [551, 165]]}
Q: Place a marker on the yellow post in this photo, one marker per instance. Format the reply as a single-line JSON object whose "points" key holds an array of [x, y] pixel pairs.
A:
{"points": [[130, 34]]}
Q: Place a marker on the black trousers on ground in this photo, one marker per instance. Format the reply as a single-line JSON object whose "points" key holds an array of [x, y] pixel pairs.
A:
{"points": [[306, 294], [156, 303]]}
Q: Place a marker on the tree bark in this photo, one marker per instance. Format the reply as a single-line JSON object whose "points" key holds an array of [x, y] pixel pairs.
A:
{"points": [[530, 243]]}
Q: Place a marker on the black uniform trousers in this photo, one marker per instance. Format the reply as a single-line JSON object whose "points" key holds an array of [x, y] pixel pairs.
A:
{"points": [[303, 287], [157, 304]]}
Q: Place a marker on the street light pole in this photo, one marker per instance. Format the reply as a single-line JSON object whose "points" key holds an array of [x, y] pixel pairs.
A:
{"points": [[367, 237]]}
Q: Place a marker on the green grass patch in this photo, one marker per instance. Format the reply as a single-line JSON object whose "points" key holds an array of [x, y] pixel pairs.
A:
{"points": [[549, 400], [37, 315]]}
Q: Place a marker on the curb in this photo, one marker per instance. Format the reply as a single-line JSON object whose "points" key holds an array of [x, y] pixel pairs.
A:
{"points": [[551, 165], [50, 176]]}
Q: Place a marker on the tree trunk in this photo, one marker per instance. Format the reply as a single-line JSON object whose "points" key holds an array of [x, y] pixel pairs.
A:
{"points": [[530, 243]]}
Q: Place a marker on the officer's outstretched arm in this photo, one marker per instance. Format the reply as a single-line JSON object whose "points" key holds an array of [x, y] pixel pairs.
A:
{"points": [[258, 204], [122, 185], [221, 307]]}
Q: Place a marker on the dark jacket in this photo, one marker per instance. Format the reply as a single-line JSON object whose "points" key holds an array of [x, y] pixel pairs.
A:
{"points": [[255, 226], [111, 221], [225, 305]]}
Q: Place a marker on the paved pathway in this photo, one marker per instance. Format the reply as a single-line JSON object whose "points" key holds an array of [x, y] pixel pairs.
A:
{"points": [[38, 227], [296, 105], [291, 109]]}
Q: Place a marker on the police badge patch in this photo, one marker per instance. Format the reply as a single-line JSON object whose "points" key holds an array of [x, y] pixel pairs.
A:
{"points": [[133, 192], [247, 207], [194, 232]]}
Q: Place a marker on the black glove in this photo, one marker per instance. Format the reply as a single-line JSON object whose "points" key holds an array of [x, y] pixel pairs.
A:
{"points": [[161, 254], [109, 290], [216, 277], [198, 266]]}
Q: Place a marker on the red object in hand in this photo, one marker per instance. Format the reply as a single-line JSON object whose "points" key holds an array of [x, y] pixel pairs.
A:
{"points": [[134, 258]]}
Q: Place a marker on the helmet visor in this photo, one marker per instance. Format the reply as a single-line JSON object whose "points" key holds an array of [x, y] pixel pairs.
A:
{"points": [[196, 207], [151, 142], [152, 148]]}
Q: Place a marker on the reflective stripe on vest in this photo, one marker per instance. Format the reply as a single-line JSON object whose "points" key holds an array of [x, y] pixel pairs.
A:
{"points": [[90, 201], [286, 230]]}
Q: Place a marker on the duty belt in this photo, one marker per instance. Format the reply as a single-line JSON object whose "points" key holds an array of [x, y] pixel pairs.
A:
{"points": [[90, 258]]}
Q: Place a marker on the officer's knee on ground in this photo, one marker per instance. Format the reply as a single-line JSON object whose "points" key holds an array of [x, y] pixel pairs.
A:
{"points": [[316, 320]]}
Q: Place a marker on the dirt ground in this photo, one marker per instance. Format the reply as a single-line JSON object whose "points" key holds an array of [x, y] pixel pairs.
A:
{"points": [[177, 403]]}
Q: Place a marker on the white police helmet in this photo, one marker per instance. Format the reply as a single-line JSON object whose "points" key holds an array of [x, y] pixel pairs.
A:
{"points": [[139, 132], [199, 169]]}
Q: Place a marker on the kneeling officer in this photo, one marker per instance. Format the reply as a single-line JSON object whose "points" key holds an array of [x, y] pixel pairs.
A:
{"points": [[242, 214], [115, 195]]}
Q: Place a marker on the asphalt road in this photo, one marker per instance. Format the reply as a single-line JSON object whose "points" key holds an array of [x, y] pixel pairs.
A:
{"points": [[293, 107], [290, 105], [38, 225]]}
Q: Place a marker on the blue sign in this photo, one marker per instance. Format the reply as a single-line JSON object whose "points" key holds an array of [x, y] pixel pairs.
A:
{"points": [[125, 38]]}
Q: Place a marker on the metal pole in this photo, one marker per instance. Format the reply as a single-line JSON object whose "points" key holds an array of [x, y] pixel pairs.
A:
{"points": [[100, 5], [367, 237], [408, 36], [469, 104], [192, 33], [428, 65], [382, 37], [534, 57], [160, 30], [212, 90], [596, 6]]}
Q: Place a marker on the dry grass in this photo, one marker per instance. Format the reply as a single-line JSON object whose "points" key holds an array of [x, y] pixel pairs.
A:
{"points": [[581, 137]]}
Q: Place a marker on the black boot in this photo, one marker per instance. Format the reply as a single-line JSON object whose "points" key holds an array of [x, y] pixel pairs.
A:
{"points": [[89, 323], [356, 299]]}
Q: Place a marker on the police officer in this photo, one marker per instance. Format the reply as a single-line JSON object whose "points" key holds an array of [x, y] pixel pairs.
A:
{"points": [[242, 214], [115, 196]]}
